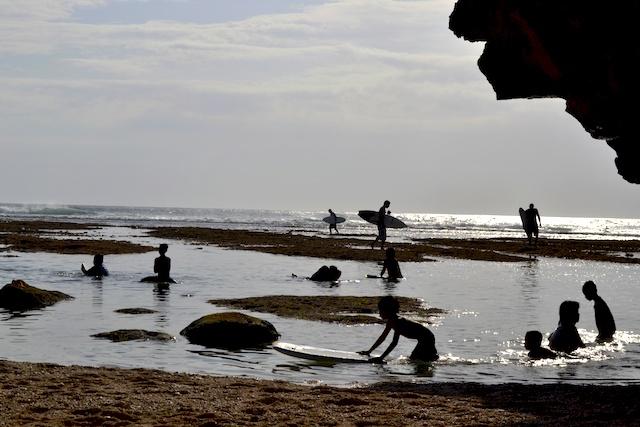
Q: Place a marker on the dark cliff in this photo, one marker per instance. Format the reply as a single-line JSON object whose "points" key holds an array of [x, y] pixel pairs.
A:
{"points": [[586, 52]]}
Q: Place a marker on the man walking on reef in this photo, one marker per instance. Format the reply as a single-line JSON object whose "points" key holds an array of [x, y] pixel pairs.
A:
{"points": [[382, 227], [532, 218]]}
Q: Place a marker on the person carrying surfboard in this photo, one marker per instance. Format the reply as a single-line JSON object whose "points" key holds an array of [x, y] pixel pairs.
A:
{"points": [[382, 227], [532, 218], [333, 225], [425, 349]]}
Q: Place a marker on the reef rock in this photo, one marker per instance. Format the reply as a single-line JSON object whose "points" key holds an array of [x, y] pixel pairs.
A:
{"points": [[20, 296], [585, 52], [230, 330], [134, 334]]}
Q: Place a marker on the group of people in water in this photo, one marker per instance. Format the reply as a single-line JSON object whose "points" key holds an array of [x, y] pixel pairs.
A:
{"points": [[161, 266]]}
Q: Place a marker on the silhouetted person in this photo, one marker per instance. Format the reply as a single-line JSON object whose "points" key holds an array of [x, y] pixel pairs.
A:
{"points": [[391, 266], [98, 270], [532, 218], [161, 266], [326, 274], [333, 225], [533, 343], [425, 349], [566, 338], [382, 227], [604, 319]]}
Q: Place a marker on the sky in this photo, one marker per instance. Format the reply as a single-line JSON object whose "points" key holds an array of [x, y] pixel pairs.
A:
{"points": [[279, 104]]}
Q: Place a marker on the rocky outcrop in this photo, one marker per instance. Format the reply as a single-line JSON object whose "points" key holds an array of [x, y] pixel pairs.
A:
{"points": [[20, 296], [135, 310], [230, 330], [134, 334], [582, 51]]}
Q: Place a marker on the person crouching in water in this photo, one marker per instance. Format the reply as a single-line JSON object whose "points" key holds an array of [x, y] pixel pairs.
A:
{"points": [[425, 349], [566, 338], [391, 266], [533, 343], [98, 270]]}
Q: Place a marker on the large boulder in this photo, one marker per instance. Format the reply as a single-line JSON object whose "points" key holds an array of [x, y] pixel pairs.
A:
{"points": [[582, 51], [134, 334], [20, 296], [230, 330]]}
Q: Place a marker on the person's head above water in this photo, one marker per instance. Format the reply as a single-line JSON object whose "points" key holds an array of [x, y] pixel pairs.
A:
{"points": [[386, 203], [589, 290], [163, 248], [532, 340], [530, 205], [98, 259], [390, 253], [330, 211], [335, 273], [388, 307], [569, 314]]}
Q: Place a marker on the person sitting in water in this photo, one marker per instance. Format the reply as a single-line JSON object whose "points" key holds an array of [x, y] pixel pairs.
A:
{"points": [[604, 319], [98, 270], [425, 350], [533, 343], [566, 338], [161, 266], [391, 266], [326, 274]]}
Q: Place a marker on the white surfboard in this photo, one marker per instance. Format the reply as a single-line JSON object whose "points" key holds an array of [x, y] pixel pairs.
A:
{"points": [[320, 354], [329, 220]]}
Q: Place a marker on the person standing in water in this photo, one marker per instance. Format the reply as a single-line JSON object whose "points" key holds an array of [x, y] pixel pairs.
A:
{"points": [[333, 225], [382, 227], [532, 219], [604, 319]]}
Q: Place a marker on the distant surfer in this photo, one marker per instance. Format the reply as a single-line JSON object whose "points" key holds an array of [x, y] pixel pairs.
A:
{"points": [[382, 227], [391, 266], [98, 270], [425, 349], [161, 266], [532, 219], [333, 224]]}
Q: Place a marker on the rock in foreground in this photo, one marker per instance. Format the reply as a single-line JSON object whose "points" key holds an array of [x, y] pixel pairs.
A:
{"points": [[230, 330], [20, 296]]}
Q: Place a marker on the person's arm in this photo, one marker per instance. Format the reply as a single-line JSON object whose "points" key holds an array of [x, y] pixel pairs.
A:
{"points": [[538, 215], [384, 268], [84, 270], [379, 341], [155, 265], [389, 349]]}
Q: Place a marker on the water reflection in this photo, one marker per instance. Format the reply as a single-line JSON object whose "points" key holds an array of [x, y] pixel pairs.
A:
{"points": [[161, 293]]}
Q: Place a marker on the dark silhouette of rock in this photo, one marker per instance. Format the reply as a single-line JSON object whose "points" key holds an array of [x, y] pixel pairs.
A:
{"points": [[583, 52], [230, 330], [20, 296], [136, 310], [134, 334]]}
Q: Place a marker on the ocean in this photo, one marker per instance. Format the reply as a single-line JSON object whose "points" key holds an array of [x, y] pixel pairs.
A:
{"points": [[490, 305]]}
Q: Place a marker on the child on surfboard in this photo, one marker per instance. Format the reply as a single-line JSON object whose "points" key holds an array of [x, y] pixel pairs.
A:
{"points": [[161, 266], [425, 349]]}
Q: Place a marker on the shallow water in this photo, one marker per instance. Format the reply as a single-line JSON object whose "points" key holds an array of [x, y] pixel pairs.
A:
{"points": [[490, 307]]}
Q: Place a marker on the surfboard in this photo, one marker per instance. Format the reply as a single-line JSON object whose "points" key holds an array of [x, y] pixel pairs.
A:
{"points": [[389, 221], [320, 354], [339, 220], [523, 218], [154, 279]]}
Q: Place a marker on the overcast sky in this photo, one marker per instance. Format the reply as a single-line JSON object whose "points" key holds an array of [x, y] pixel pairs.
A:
{"points": [[279, 104]]}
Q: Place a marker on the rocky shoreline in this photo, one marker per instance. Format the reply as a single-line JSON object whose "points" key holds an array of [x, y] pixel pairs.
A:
{"points": [[46, 394]]}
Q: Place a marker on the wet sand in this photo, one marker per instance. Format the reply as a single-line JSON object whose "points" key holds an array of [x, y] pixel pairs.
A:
{"points": [[45, 394], [349, 248]]}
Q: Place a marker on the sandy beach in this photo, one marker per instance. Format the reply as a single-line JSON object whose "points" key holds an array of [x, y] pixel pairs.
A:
{"points": [[45, 394]]}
